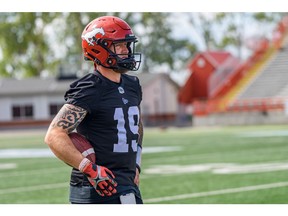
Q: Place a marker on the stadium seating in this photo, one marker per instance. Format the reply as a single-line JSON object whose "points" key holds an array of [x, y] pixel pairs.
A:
{"points": [[272, 81]]}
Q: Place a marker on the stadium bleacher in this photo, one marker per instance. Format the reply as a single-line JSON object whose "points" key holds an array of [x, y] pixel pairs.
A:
{"points": [[272, 81]]}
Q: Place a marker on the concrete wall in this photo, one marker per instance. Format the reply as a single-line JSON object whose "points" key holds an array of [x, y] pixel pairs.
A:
{"points": [[241, 118]]}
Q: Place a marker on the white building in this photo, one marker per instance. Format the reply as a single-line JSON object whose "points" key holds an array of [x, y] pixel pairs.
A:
{"points": [[36, 101], [159, 104]]}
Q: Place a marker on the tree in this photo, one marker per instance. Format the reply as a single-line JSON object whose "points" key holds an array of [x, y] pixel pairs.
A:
{"points": [[267, 18], [34, 43], [234, 28], [24, 45], [69, 37], [203, 24], [157, 43]]}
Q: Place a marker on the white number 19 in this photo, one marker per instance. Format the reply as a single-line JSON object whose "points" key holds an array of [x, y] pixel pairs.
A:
{"points": [[122, 145]]}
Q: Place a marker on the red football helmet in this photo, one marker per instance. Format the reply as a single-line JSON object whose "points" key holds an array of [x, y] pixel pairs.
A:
{"points": [[104, 32]]}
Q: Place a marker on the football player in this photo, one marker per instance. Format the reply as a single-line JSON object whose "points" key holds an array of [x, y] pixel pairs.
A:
{"points": [[104, 107]]}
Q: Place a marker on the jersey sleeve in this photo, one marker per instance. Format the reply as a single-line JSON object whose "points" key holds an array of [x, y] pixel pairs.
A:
{"points": [[135, 82], [83, 93]]}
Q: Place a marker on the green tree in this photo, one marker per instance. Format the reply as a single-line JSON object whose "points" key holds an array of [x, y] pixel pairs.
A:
{"points": [[69, 37], [234, 28], [33, 43], [24, 45], [154, 33], [267, 18], [157, 43], [203, 24]]}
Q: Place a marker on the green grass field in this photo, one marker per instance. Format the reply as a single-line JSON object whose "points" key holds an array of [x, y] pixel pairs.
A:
{"points": [[225, 165]]}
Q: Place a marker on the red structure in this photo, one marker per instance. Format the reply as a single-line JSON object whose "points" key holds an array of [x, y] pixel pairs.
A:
{"points": [[213, 75], [202, 67]]}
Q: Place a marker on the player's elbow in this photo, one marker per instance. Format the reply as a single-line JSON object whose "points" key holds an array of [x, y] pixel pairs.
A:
{"points": [[50, 137]]}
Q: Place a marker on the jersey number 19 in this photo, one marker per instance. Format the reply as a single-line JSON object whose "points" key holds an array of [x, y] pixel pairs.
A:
{"points": [[122, 145]]}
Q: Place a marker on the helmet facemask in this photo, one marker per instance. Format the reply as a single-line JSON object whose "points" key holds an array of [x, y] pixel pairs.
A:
{"points": [[117, 62], [124, 62]]}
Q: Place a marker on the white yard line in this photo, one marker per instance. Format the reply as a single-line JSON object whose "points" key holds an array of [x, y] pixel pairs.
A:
{"points": [[34, 172], [154, 200], [217, 192], [34, 188], [47, 153], [276, 133]]}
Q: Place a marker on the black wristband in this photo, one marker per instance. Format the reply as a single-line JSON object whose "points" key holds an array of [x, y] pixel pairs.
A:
{"points": [[139, 168]]}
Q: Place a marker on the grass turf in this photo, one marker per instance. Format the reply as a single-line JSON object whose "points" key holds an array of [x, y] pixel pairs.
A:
{"points": [[45, 180]]}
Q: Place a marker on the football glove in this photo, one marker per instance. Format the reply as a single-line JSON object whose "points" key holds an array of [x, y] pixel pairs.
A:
{"points": [[100, 177]]}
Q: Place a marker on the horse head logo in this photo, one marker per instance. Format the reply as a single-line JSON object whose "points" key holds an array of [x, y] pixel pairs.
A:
{"points": [[89, 35]]}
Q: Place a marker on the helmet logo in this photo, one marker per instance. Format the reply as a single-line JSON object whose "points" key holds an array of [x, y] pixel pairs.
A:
{"points": [[89, 35]]}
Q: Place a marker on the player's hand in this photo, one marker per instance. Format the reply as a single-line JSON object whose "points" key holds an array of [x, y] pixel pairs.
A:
{"points": [[101, 178]]}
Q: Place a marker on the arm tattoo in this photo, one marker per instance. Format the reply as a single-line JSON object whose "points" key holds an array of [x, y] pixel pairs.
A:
{"points": [[69, 117]]}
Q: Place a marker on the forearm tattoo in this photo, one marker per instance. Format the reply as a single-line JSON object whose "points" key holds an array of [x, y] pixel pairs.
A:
{"points": [[69, 117]]}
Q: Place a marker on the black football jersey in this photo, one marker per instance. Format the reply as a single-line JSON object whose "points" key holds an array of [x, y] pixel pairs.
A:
{"points": [[111, 124]]}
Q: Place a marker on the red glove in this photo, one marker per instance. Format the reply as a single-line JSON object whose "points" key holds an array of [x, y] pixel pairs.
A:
{"points": [[100, 177]]}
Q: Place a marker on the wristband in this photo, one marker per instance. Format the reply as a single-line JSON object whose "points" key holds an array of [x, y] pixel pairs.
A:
{"points": [[139, 168], [138, 157], [83, 164]]}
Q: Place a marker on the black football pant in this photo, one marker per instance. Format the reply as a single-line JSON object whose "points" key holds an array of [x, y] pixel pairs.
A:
{"points": [[113, 201]]}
